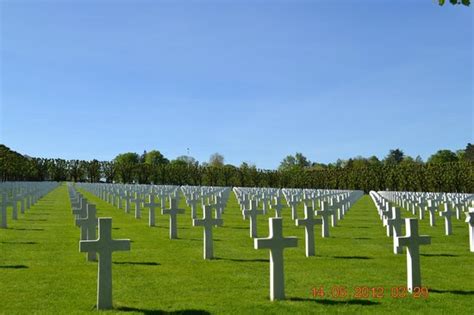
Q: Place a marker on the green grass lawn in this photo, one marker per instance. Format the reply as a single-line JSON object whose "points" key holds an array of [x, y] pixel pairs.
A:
{"points": [[42, 271]]}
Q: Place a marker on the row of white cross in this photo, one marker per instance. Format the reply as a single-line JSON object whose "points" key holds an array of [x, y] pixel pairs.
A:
{"points": [[85, 217], [24, 194], [420, 203], [393, 221], [249, 200], [216, 198]]}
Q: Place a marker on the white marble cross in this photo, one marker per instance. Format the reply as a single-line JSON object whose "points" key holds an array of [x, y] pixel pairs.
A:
{"points": [[219, 206], [252, 214], [88, 227], [128, 198], [412, 242], [81, 212], [421, 203], [457, 205], [395, 224], [325, 213], [192, 202], [432, 208], [104, 246], [137, 201], [14, 203], [3, 210], [308, 222], [470, 221], [276, 243], [208, 222], [335, 207], [173, 211], [278, 206], [293, 203], [447, 214], [152, 206]]}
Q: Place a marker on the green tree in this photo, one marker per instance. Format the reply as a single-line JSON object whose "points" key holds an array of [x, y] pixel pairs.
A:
{"points": [[93, 171], [155, 158], [298, 160], [469, 153], [394, 157], [443, 156], [126, 165], [189, 160], [455, 2], [216, 160], [108, 170]]}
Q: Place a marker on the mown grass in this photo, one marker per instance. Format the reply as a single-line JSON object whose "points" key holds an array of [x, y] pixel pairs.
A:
{"points": [[42, 271]]}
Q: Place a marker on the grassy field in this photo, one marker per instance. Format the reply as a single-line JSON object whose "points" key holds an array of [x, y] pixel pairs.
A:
{"points": [[42, 271]]}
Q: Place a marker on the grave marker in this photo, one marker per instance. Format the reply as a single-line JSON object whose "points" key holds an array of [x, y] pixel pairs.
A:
{"points": [[152, 206], [276, 243], [88, 227], [470, 222], [325, 213], [252, 213], [208, 222], [309, 222], [173, 211], [412, 242], [447, 214], [104, 246]]}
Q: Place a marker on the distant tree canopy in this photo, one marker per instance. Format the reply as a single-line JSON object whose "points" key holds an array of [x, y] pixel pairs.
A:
{"points": [[394, 157], [216, 160], [443, 156], [455, 2], [445, 171], [294, 161]]}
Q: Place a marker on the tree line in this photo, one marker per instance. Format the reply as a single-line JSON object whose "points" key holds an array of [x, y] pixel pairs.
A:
{"points": [[445, 171]]}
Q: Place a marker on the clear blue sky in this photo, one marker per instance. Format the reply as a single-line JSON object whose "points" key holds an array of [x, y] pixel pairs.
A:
{"points": [[252, 80]]}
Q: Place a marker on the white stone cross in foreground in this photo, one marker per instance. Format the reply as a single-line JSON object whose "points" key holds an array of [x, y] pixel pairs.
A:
{"points": [[173, 211], [470, 221], [309, 222], [208, 222], [276, 243], [412, 242], [104, 246]]}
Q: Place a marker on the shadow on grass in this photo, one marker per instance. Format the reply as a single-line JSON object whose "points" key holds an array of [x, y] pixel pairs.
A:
{"points": [[35, 219], [362, 238], [241, 260], [151, 312], [142, 263], [19, 242], [439, 255], [200, 239], [352, 257], [236, 227], [334, 302], [458, 292], [14, 267], [359, 227], [26, 229]]}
